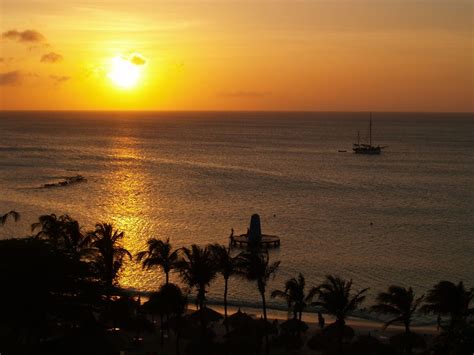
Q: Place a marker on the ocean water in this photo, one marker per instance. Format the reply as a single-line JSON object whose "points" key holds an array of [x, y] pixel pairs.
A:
{"points": [[404, 217]]}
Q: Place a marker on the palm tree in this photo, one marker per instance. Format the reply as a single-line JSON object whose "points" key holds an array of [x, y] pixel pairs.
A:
{"points": [[63, 231], [401, 304], [197, 270], [449, 299], [109, 253], [13, 214], [50, 227], [161, 254], [255, 266], [227, 266], [75, 241], [294, 295], [168, 301], [335, 297]]}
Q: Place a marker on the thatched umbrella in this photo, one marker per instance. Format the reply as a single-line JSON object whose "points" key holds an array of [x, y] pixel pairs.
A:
{"points": [[293, 326], [271, 327], [184, 326], [318, 342], [333, 331], [246, 338], [206, 315], [239, 319], [405, 340], [365, 344]]}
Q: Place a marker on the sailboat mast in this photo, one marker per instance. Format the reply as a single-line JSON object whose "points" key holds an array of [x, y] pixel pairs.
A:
{"points": [[370, 130]]}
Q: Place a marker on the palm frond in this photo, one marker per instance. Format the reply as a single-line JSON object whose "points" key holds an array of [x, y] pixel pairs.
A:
{"points": [[12, 214], [392, 321]]}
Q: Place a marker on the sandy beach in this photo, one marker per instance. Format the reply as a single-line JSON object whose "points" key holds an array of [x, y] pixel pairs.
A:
{"points": [[360, 326]]}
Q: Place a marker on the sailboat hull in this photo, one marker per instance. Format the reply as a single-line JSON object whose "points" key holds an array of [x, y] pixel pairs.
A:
{"points": [[368, 149], [371, 150]]}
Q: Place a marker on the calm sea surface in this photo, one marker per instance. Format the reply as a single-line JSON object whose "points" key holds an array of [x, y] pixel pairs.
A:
{"points": [[403, 217]]}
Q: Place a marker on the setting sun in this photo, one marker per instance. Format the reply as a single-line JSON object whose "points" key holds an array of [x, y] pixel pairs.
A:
{"points": [[124, 73]]}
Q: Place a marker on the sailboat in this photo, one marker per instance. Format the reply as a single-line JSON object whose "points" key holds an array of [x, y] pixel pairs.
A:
{"points": [[360, 148]]}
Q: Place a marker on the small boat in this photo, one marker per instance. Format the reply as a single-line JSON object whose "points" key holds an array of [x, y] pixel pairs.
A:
{"points": [[360, 148]]}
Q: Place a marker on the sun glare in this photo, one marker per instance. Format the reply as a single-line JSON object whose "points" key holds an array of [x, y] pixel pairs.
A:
{"points": [[123, 73]]}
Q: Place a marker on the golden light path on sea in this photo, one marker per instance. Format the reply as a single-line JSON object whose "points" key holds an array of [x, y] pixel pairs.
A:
{"points": [[129, 207]]}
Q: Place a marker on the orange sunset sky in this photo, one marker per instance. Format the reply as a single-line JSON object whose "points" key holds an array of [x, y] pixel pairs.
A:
{"points": [[338, 55]]}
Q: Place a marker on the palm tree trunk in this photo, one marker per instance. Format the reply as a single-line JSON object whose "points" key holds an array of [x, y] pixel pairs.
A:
{"points": [[201, 293], [341, 335], [407, 332], [162, 333], [108, 290], [178, 336], [264, 307], [167, 277], [226, 280]]}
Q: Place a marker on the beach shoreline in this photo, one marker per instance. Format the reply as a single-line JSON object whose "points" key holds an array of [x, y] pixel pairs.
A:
{"points": [[309, 315], [360, 325]]}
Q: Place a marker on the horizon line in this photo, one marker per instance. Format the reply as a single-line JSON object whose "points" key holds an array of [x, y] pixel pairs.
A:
{"points": [[233, 111]]}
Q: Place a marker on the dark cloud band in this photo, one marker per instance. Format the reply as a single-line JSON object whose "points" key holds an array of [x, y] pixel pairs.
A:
{"points": [[27, 36], [51, 58], [11, 78]]}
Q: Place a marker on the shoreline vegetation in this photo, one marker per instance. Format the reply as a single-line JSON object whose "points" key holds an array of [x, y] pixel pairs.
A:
{"points": [[68, 300]]}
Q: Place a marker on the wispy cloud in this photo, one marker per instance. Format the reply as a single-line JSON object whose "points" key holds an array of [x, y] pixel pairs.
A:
{"points": [[18, 77], [58, 79], [51, 58], [27, 36], [11, 78]]}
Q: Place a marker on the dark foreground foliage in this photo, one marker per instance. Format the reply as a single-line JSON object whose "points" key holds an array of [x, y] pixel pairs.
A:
{"points": [[60, 295]]}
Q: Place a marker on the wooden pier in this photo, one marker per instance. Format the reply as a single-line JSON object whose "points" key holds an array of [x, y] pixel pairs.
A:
{"points": [[268, 241]]}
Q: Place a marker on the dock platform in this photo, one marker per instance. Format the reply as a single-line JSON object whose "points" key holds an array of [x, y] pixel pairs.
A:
{"points": [[268, 241]]}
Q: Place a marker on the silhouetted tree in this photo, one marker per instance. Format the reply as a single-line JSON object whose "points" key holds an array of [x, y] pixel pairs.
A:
{"points": [[256, 267], [294, 295], [168, 301], [449, 299], [74, 240], [227, 266], [63, 231], [457, 335], [50, 227], [12, 214], [197, 270], [400, 303], [108, 252], [48, 284], [335, 297], [159, 253]]}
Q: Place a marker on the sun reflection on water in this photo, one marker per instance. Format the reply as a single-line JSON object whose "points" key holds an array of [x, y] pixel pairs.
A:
{"points": [[129, 208]]}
